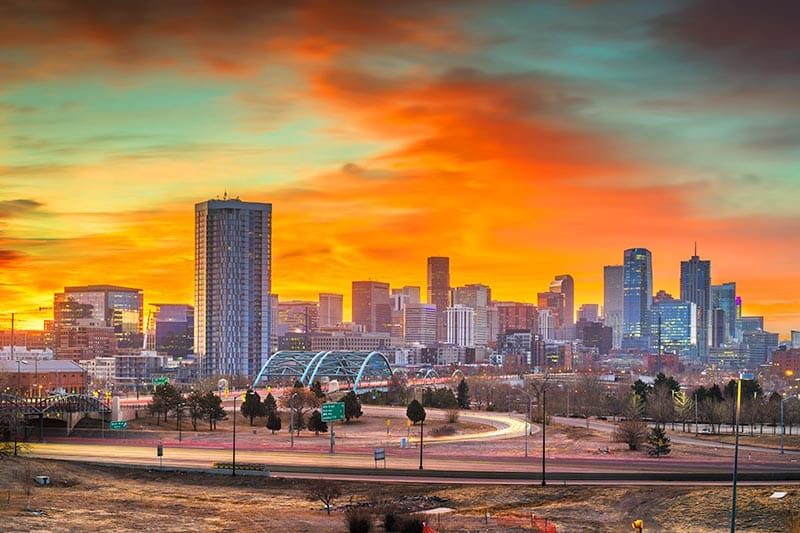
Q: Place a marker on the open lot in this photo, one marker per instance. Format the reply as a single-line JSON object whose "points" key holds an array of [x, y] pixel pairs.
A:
{"points": [[92, 498]]}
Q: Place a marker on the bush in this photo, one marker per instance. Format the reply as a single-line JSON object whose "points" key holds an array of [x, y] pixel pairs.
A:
{"points": [[411, 524], [443, 431], [452, 416], [358, 520], [391, 520]]}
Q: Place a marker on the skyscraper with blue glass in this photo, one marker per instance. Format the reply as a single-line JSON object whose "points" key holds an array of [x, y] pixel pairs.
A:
{"points": [[637, 295]]}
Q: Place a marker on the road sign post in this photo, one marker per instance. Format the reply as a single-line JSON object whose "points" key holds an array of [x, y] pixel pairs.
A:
{"points": [[160, 453], [380, 455], [119, 424], [332, 412]]}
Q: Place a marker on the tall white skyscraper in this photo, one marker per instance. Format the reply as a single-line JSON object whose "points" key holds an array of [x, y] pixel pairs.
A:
{"points": [[330, 309], [613, 302], [233, 272], [461, 326]]}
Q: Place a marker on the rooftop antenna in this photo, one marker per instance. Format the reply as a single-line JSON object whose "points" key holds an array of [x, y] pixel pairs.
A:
{"points": [[225, 195], [695, 248]]}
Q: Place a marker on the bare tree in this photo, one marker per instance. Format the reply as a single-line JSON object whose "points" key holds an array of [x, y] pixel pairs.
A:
{"points": [[660, 406], [325, 491]]}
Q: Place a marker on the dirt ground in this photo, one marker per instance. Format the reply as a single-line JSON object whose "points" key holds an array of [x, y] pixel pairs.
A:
{"points": [[89, 498]]}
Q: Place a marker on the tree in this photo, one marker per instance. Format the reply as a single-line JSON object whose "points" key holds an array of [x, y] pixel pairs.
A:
{"points": [[252, 406], [415, 412], [352, 407], [658, 442], [641, 389], [632, 431], [194, 404], [316, 424], [325, 491], [273, 421], [212, 409], [299, 400], [660, 405], [316, 388], [11, 425], [165, 398], [270, 405], [669, 382], [463, 394], [398, 389]]}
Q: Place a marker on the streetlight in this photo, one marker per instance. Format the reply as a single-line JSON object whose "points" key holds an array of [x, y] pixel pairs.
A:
{"points": [[421, 433], [783, 427], [291, 424], [234, 435], [20, 362], [544, 430], [742, 377]]}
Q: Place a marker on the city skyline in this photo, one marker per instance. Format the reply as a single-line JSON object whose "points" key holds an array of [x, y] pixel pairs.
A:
{"points": [[447, 132]]}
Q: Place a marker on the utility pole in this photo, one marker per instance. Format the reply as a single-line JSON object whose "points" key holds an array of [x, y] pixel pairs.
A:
{"points": [[544, 430], [421, 433], [234, 435]]}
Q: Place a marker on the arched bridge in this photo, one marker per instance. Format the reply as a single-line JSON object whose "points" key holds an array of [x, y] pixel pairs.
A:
{"points": [[359, 369]]}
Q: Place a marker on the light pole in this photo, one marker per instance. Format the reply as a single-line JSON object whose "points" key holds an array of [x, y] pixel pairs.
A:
{"points": [[783, 427], [291, 423], [421, 434], [742, 377], [544, 430], [20, 362]]}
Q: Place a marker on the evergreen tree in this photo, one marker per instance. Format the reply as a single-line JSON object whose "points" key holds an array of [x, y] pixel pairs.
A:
{"points": [[463, 394], [641, 389], [273, 421], [316, 424], [658, 442], [352, 406], [316, 388], [194, 403], [415, 412], [270, 405], [251, 406], [212, 409]]}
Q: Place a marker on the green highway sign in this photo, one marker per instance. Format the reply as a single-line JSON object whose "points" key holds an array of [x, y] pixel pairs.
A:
{"points": [[162, 380], [119, 424], [332, 412]]}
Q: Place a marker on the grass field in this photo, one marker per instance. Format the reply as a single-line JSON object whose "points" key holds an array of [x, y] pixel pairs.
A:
{"points": [[91, 498]]}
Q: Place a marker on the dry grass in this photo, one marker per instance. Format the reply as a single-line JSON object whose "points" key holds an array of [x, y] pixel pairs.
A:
{"points": [[87, 498]]}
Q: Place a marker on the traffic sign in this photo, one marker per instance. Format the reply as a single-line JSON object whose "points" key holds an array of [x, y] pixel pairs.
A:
{"points": [[119, 424], [332, 411], [161, 380]]}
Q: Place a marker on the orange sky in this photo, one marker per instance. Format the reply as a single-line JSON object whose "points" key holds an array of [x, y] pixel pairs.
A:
{"points": [[522, 143]]}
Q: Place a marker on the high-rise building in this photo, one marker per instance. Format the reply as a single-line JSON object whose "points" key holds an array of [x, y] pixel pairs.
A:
{"points": [[546, 324], [109, 305], [696, 288], [420, 324], [411, 293], [556, 303], [759, 346], [477, 297], [674, 327], [589, 313], [298, 316], [637, 287], [565, 285], [439, 292], [233, 273], [330, 309], [371, 306], [613, 302], [515, 315], [747, 323], [724, 297], [170, 329], [461, 326], [795, 339], [719, 328]]}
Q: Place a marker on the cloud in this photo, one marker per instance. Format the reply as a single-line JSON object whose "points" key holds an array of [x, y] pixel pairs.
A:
{"points": [[10, 257], [739, 34], [15, 208]]}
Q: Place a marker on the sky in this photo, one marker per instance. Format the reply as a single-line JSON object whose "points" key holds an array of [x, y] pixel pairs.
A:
{"points": [[521, 139]]}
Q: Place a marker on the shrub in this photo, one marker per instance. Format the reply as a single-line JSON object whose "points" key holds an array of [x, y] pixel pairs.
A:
{"points": [[411, 524], [443, 431], [358, 520], [391, 520], [452, 416]]}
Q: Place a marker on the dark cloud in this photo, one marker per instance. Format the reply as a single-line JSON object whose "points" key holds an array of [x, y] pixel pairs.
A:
{"points": [[758, 36], [13, 208], [8, 257]]}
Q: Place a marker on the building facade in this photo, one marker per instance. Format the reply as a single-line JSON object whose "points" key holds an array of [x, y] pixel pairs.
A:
{"points": [[674, 327], [613, 302], [371, 306], [420, 324], [110, 305], [637, 288], [330, 309], [564, 284], [477, 297], [696, 288], [439, 292], [232, 285], [170, 329], [461, 326], [724, 297]]}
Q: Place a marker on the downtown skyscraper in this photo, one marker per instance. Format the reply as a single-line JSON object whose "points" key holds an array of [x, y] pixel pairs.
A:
{"points": [[696, 288], [637, 296], [233, 275], [371, 306], [439, 292], [613, 302]]}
